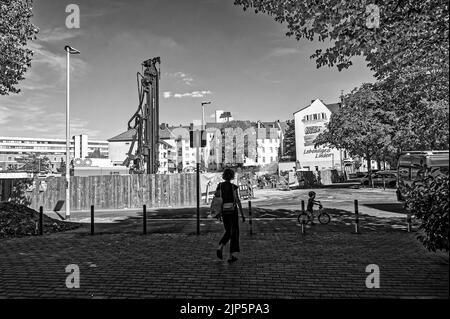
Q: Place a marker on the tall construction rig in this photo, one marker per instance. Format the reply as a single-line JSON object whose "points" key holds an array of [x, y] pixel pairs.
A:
{"points": [[145, 122]]}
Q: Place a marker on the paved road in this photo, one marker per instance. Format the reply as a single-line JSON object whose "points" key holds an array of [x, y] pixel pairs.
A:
{"points": [[275, 262], [374, 202]]}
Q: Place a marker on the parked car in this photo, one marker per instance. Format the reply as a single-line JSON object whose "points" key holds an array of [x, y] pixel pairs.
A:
{"points": [[356, 177], [388, 178]]}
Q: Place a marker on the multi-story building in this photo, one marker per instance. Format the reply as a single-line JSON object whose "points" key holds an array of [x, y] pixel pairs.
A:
{"points": [[268, 141], [310, 121], [177, 155], [119, 146], [13, 148]]}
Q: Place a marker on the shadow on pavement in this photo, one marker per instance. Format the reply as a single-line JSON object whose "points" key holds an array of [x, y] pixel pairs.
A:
{"points": [[183, 221], [388, 207]]}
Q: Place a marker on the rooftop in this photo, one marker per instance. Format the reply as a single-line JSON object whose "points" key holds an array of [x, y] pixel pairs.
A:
{"points": [[333, 107]]}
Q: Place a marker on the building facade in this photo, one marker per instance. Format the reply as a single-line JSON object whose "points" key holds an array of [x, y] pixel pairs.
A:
{"points": [[119, 146], [13, 148], [310, 121]]}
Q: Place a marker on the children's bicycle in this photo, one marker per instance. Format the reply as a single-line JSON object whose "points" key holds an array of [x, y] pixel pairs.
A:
{"points": [[308, 217]]}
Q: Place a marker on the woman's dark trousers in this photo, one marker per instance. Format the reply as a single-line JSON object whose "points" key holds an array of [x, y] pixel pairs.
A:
{"points": [[231, 224]]}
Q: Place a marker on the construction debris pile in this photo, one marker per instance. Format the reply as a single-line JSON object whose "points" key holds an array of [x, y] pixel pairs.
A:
{"points": [[19, 221]]}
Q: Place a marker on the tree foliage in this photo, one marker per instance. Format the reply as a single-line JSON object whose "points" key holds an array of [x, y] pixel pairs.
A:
{"points": [[410, 32], [35, 163], [289, 141], [16, 30], [408, 52], [428, 200], [360, 126]]}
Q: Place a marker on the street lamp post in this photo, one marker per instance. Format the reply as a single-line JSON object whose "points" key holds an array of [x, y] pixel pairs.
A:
{"points": [[199, 144], [69, 50]]}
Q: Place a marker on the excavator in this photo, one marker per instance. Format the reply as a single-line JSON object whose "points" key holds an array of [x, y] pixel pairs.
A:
{"points": [[142, 156]]}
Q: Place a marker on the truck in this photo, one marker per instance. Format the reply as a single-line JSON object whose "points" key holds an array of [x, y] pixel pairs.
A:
{"points": [[414, 165]]}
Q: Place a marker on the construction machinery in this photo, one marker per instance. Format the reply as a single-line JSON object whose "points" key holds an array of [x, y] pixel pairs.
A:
{"points": [[142, 156]]}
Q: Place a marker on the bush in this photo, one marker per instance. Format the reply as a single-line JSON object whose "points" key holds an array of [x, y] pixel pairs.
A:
{"points": [[19, 194], [427, 200]]}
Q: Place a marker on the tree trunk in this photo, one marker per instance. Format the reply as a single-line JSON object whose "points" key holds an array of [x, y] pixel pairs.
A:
{"points": [[369, 168]]}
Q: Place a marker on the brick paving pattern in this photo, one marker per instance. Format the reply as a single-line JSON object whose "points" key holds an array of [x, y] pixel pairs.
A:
{"points": [[276, 262]]}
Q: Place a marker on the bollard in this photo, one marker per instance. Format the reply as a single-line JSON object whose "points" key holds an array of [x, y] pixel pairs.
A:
{"points": [[92, 219], [144, 217], [356, 217], [41, 223], [303, 221], [250, 222], [408, 221]]}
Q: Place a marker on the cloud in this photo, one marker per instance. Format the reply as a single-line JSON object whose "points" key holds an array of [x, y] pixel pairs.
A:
{"points": [[181, 76], [56, 63], [167, 94], [194, 94], [30, 117], [4, 115], [102, 8], [184, 77], [281, 52], [58, 34]]}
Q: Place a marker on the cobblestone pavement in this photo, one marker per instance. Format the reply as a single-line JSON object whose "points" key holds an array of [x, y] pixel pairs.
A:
{"points": [[275, 262]]}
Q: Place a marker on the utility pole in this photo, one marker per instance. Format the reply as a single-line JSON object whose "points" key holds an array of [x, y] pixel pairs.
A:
{"points": [[69, 50]]}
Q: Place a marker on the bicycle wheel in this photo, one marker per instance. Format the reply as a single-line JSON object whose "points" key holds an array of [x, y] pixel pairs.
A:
{"points": [[324, 218], [304, 218]]}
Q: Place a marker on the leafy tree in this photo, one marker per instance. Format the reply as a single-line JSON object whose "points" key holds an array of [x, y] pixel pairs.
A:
{"points": [[360, 126], [420, 103], [289, 141], [226, 116], [35, 163], [409, 32], [428, 200], [62, 168], [19, 194], [408, 52], [16, 30], [96, 154]]}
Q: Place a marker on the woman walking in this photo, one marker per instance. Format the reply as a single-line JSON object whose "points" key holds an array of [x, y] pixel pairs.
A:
{"points": [[231, 203]]}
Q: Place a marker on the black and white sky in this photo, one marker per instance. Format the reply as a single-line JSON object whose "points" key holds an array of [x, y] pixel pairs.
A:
{"points": [[211, 50]]}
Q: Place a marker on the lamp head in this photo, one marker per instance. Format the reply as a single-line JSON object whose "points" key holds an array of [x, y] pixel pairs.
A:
{"points": [[71, 50]]}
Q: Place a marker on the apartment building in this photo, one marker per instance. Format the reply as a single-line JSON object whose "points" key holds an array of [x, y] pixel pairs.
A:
{"points": [[119, 146], [13, 148], [310, 121]]}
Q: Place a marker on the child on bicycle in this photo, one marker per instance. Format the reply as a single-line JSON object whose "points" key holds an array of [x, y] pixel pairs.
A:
{"points": [[311, 202]]}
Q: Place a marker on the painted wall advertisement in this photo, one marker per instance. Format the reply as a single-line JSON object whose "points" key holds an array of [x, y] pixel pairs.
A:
{"points": [[311, 132]]}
